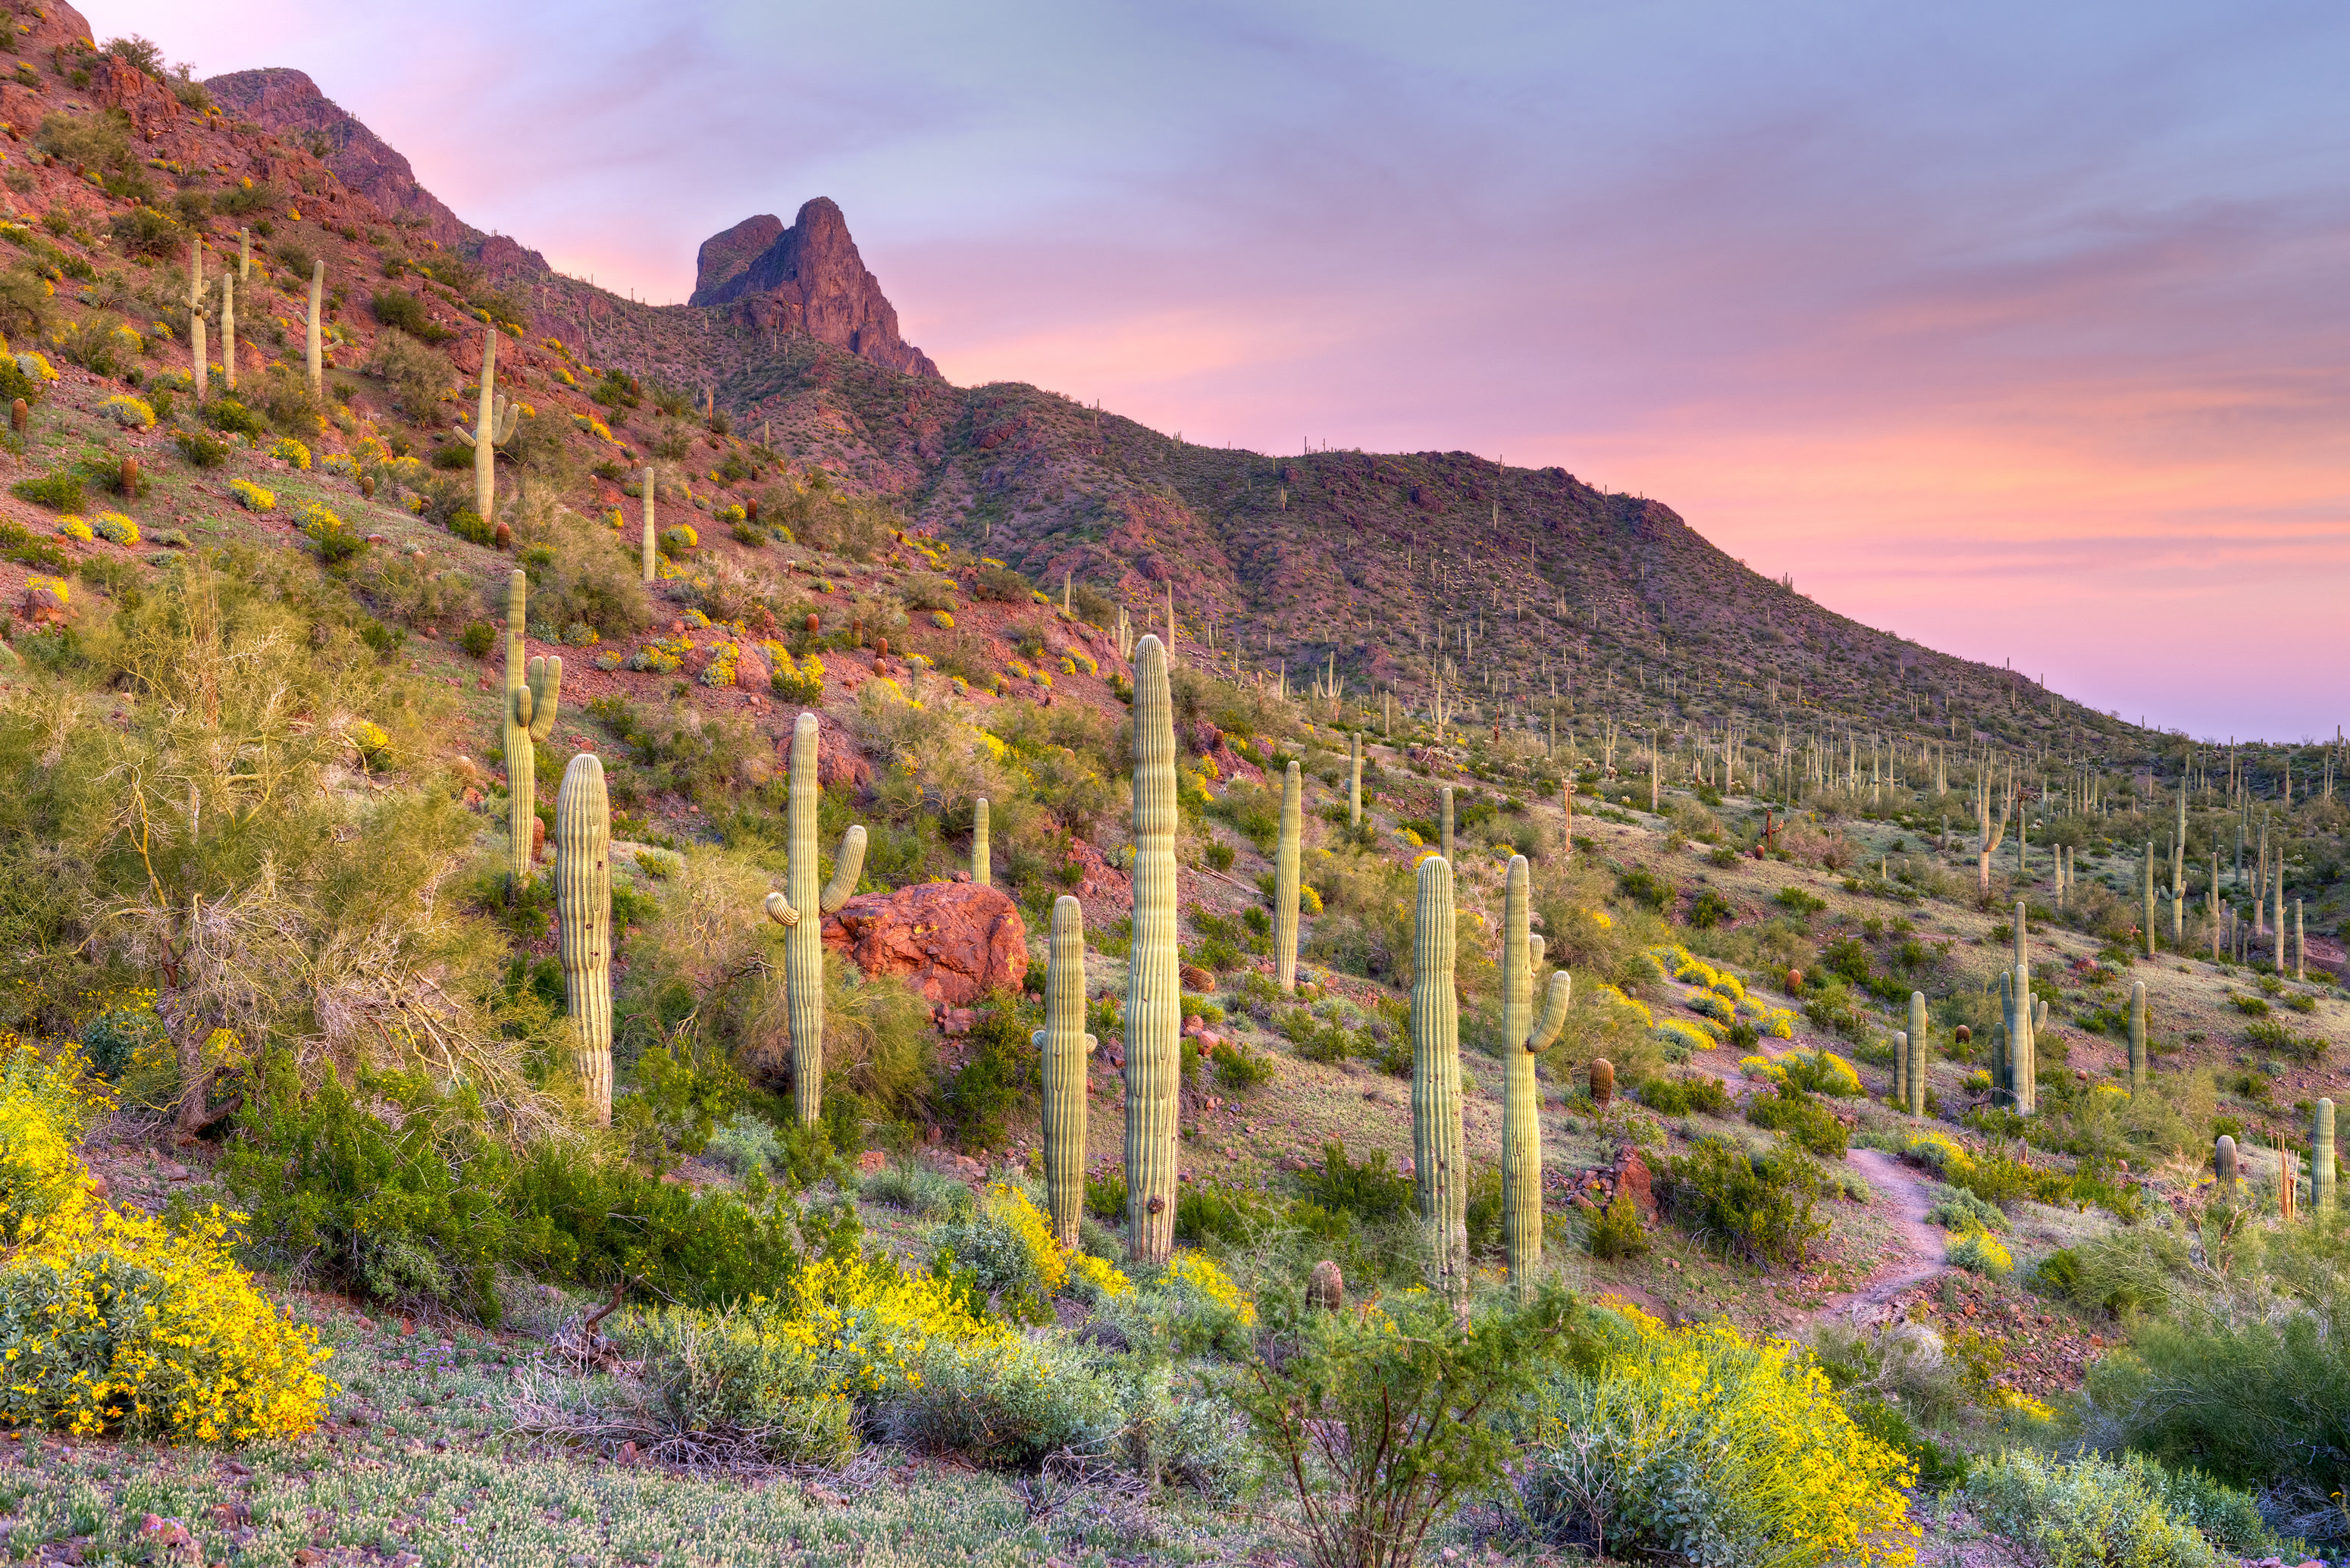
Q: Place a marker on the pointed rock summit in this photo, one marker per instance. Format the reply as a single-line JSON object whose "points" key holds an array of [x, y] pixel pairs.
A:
{"points": [[805, 278]]}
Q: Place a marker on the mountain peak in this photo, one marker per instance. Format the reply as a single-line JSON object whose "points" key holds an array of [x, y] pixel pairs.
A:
{"points": [[807, 278]]}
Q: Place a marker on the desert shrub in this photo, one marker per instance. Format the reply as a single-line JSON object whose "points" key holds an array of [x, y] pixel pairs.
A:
{"points": [[234, 417], [745, 1144], [912, 1188], [736, 1382], [1759, 1206], [59, 491], [417, 377], [1955, 1208], [1001, 585], [1701, 1445], [1615, 1231], [1001, 1404], [1978, 1251], [1820, 1073], [1380, 1422], [403, 588], [1007, 1244], [201, 450], [1806, 1122], [398, 307], [2093, 1512], [1679, 1097], [1370, 1192]]}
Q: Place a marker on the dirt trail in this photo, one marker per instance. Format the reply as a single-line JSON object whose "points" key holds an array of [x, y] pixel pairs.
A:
{"points": [[1921, 1255]]}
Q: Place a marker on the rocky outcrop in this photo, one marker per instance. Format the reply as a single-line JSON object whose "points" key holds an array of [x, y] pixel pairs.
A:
{"points": [[956, 942], [807, 278], [280, 98]]}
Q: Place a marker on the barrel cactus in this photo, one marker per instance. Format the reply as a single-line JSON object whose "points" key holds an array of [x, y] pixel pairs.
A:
{"points": [[1154, 1017], [1602, 1075], [1284, 880], [2223, 1163], [1062, 1046], [1439, 1168], [799, 908], [583, 917], [533, 688], [1523, 1039]]}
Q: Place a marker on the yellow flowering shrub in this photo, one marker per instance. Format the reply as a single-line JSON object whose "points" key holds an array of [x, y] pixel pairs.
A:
{"points": [[251, 496], [130, 412], [1682, 1032], [1937, 1151], [116, 1321], [1978, 1250], [725, 657], [1699, 1443], [1199, 1276], [1761, 1069], [291, 453], [115, 529], [798, 681], [942, 620], [76, 529], [1612, 996]]}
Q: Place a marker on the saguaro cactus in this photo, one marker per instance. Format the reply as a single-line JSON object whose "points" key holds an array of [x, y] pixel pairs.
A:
{"points": [[196, 323], [2024, 1017], [799, 908], [1522, 1041], [1285, 879], [1922, 1054], [2148, 920], [1063, 1046], [245, 255], [228, 331], [1154, 1019], [314, 342], [583, 913], [533, 688], [494, 426], [983, 869], [649, 523], [1444, 822], [1355, 780], [1440, 1172], [1900, 1095], [2223, 1164], [2138, 1037], [2321, 1157]]}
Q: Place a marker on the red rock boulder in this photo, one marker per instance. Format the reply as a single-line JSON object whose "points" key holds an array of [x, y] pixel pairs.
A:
{"points": [[956, 940]]}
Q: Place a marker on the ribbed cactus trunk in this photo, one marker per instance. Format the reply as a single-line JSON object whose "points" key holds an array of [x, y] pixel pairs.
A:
{"points": [[1522, 1041], [1440, 1172], [1900, 1095], [982, 869], [2279, 962], [228, 331], [2148, 917], [650, 573], [2321, 1157], [1444, 822], [196, 323], [1154, 1020], [1922, 1054], [800, 910], [532, 692], [1285, 879], [314, 342], [583, 915], [1064, 1046], [1355, 780], [2223, 1164], [486, 424], [2137, 1038]]}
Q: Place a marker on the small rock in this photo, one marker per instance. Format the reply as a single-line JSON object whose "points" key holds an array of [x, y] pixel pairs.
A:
{"points": [[871, 1160]]}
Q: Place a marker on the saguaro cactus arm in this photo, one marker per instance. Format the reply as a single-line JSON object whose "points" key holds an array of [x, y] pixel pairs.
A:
{"points": [[537, 700], [1554, 1015], [847, 867], [780, 910]]}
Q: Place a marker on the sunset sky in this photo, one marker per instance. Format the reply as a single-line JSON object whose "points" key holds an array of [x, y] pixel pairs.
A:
{"points": [[2018, 329]]}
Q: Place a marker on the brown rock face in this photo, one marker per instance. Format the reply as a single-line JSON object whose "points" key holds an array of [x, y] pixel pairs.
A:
{"points": [[806, 278], [956, 940], [288, 101], [1632, 1178]]}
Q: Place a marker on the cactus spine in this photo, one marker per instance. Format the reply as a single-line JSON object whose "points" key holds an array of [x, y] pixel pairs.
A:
{"points": [[314, 344], [1154, 1017], [799, 908], [983, 870], [494, 426], [1444, 822], [2223, 1164], [1065, 1045], [534, 687], [1439, 1173], [228, 331], [1284, 880], [583, 912], [1522, 1041], [196, 313], [1921, 1055], [2321, 1157], [2137, 1038], [1355, 780], [649, 523]]}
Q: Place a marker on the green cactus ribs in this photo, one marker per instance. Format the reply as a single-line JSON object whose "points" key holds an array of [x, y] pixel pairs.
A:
{"points": [[532, 690], [1284, 880], [1154, 1019], [799, 908], [1439, 1170], [494, 427], [1063, 1046], [583, 913], [1522, 1041]]}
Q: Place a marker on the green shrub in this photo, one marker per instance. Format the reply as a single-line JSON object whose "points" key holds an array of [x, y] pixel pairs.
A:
{"points": [[471, 526], [1956, 1208], [398, 307], [1614, 1231], [232, 416], [1680, 1097], [730, 1380], [1001, 1071], [200, 450], [1001, 1405], [1806, 1122], [477, 639], [928, 1193], [1001, 585], [1711, 909], [2088, 1513], [744, 1145], [1368, 1192], [1759, 1206], [59, 491]]}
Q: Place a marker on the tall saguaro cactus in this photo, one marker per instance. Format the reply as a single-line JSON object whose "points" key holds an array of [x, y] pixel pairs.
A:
{"points": [[583, 912], [1444, 822], [2321, 1157], [1920, 1055], [1064, 1045], [983, 864], [228, 331], [2149, 918], [494, 426], [1522, 1041], [2018, 1012], [1285, 879], [1440, 1171], [1154, 1019], [196, 322], [2138, 1037], [314, 341], [1355, 780], [533, 688], [649, 523], [799, 908]]}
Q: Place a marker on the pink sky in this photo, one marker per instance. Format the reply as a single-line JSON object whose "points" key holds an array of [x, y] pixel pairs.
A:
{"points": [[2018, 329]]}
